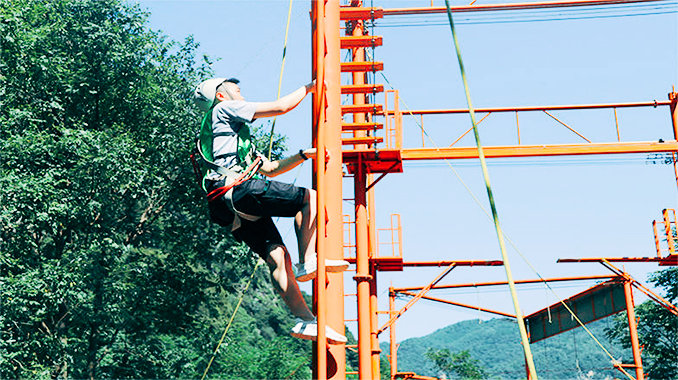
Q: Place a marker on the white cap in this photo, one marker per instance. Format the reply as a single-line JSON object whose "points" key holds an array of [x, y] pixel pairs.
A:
{"points": [[206, 92]]}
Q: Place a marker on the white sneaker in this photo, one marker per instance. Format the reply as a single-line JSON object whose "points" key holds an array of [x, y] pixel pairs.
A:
{"points": [[309, 330], [307, 271]]}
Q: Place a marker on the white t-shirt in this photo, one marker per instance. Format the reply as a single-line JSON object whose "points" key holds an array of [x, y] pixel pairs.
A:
{"points": [[228, 117]]}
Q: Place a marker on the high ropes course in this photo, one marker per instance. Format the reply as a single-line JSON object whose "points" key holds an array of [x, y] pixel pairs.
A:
{"points": [[367, 136]]}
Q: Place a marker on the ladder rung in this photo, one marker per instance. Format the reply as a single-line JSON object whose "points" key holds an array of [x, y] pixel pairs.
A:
{"points": [[360, 41], [362, 88], [360, 13], [351, 67], [361, 126], [362, 140], [361, 108]]}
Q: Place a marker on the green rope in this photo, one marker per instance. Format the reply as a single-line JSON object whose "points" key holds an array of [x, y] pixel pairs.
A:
{"points": [[228, 326], [515, 247], [486, 176]]}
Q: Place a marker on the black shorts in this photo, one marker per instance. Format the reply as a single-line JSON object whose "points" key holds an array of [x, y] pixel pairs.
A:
{"points": [[261, 198]]}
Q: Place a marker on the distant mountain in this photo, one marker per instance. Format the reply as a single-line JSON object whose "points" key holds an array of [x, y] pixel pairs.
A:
{"points": [[496, 344]]}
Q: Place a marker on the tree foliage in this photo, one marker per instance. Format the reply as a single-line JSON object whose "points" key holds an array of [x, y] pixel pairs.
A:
{"points": [[657, 329], [109, 266], [459, 363]]}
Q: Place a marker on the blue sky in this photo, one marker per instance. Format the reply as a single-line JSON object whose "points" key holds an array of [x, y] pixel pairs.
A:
{"points": [[550, 207]]}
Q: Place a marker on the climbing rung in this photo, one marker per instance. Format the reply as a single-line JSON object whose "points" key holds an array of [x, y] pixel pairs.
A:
{"points": [[361, 126], [360, 13], [361, 108], [362, 140], [362, 88], [349, 42], [351, 67]]}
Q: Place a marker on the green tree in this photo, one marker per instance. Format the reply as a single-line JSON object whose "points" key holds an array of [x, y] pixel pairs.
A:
{"points": [[657, 329], [109, 266], [460, 363]]}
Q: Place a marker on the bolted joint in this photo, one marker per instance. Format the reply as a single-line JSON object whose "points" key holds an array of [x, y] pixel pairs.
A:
{"points": [[363, 277]]}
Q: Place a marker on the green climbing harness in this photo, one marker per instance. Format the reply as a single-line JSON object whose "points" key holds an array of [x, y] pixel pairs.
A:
{"points": [[246, 167]]}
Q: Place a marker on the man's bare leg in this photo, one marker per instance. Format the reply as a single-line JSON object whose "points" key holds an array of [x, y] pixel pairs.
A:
{"points": [[282, 277], [305, 226]]}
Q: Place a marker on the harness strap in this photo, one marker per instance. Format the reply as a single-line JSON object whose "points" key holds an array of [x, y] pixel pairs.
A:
{"points": [[234, 179], [221, 134], [230, 154]]}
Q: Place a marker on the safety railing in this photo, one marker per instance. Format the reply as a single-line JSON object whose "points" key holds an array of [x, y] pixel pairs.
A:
{"points": [[393, 121], [349, 240], [665, 233], [393, 240], [388, 240]]}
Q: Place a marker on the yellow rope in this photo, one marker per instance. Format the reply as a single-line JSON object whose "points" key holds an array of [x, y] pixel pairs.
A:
{"points": [[228, 326], [486, 176], [282, 69]]}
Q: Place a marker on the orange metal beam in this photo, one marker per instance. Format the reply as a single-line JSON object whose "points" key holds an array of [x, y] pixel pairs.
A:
{"points": [[653, 103], [539, 150], [364, 126], [357, 66], [350, 42], [497, 283], [440, 300], [369, 140], [461, 263], [361, 13], [362, 88], [504, 7], [611, 259], [363, 108]]}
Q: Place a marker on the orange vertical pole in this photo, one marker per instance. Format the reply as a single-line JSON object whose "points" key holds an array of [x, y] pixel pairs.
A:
{"points": [[333, 190], [318, 8], [635, 346], [392, 335], [362, 276], [373, 251], [673, 97], [374, 324]]}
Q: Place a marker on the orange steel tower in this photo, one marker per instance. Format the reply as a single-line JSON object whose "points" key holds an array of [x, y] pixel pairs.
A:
{"points": [[375, 148]]}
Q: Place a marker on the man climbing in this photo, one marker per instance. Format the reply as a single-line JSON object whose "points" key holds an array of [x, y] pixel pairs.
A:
{"points": [[238, 199]]}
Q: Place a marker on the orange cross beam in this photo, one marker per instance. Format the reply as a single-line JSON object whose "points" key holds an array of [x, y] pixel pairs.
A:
{"points": [[533, 281], [504, 7], [539, 150]]}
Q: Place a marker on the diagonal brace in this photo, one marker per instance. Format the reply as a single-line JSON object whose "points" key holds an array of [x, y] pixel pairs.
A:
{"points": [[652, 295], [416, 298], [567, 126], [453, 303]]}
